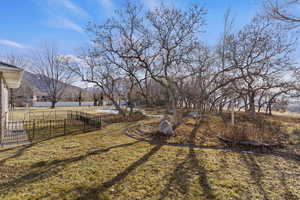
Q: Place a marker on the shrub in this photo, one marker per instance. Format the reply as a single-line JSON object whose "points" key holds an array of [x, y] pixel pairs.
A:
{"points": [[136, 116]]}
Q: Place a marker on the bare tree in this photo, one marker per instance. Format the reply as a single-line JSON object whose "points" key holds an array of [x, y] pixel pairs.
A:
{"points": [[138, 45], [121, 41], [260, 53], [15, 59], [50, 66], [94, 68], [97, 97], [285, 11], [158, 55], [174, 35]]}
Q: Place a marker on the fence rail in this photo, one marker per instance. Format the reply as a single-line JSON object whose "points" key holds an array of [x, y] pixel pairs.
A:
{"points": [[39, 129]]}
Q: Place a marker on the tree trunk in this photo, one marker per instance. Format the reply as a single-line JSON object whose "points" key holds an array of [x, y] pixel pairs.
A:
{"points": [[117, 105], [252, 103], [53, 104], [269, 108], [259, 108], [147, 92], [245, 103]]}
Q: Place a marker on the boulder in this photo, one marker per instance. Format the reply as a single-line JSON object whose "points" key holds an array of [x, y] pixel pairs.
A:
{"points": [[169, 118], [143, 112], [171, 111], [165, 127], [193, 115]]}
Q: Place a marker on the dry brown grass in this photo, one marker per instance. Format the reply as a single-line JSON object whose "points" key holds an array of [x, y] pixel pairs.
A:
{"points": [[262, 128], [113, 118], [106, 164]]}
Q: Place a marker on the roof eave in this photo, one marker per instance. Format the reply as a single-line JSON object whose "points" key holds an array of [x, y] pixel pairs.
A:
{"points": [[12, 78]]}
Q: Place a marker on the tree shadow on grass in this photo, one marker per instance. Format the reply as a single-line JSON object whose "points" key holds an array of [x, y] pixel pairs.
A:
{"points": [[43, 170], [23, 148], [10, 148], [202, 174], [95, 193], [288, 193], [17, 154], [179, 180], [258, 152], [256, 173], [191, 166], [198, 165]]}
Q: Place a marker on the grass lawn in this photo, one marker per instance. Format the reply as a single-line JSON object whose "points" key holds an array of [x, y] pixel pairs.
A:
{"points": [[21, 113], [106, 164]]}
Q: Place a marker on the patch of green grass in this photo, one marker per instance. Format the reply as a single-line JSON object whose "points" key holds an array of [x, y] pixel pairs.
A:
{"points": [[21, 113], [106, 164]]}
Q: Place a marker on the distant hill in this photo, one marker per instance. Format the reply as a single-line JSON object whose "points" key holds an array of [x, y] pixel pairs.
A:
{"points": [[37, 84], [33, 87]]}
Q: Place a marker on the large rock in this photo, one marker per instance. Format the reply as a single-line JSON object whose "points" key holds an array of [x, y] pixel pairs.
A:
{"points": [[165, 127], [193, 115], [171, 111]]}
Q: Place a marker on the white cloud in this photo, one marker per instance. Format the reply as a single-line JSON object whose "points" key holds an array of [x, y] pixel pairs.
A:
{"points": [[106, 3], [75, 9], [64, 23], [62, 7], [13, 44], [71, 25]]}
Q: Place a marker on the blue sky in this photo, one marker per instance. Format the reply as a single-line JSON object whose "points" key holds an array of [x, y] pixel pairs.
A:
{"points": [[25, 24]]}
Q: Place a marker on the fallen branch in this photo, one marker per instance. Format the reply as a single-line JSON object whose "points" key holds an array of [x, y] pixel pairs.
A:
{"points": [[246, 143]]}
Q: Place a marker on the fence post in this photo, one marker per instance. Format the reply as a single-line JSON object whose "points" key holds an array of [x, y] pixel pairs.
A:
{"points": [[84, 124], [100, 122], [33, 129], [50, 127], [64, 126]]}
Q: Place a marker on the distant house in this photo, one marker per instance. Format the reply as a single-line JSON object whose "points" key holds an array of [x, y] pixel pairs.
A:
{"points": [[10, 77]]}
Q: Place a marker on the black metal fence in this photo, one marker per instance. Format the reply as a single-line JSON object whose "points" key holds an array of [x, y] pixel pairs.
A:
{"points": [[39, 129]]}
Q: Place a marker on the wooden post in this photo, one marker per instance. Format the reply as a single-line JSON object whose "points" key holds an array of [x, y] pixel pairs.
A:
{"points": [[65, 126], [232, 115], [87, 119], [50, 127], [84, 125], [100, 122], [33, 129]]}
